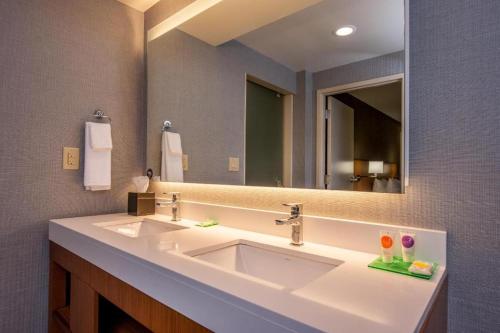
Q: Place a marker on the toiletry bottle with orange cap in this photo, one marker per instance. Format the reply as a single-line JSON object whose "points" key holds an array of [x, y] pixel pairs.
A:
{"points": [[386, 245]]}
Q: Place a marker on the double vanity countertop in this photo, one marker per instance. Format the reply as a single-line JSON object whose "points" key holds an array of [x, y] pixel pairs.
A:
{"points": [[348, 298]]}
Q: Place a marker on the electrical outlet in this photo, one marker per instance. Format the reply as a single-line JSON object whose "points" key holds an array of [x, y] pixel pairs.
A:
{"points": [[71, 158], [234, 164], [185, 162]]}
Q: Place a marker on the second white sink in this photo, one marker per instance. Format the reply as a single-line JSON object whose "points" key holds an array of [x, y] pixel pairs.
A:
{"points": [[288, 268], [140, 228]]}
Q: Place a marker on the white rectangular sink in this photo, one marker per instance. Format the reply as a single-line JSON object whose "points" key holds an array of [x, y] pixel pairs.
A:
{"points": [[288, 268], [140, 228]]}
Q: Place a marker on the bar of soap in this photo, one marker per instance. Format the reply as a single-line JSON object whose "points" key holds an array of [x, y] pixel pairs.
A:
{"points": [[421, 267]]}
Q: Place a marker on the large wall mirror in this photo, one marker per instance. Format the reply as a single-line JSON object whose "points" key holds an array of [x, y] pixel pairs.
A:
{"points": [[285, 93]]}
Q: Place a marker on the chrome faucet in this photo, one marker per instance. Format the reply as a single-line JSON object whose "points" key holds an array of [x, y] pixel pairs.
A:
{"points": [[174, 203], [296, 221]]}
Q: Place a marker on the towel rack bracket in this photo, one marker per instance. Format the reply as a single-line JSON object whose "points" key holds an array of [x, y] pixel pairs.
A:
{"points": [[99, 115], [167, 124]]}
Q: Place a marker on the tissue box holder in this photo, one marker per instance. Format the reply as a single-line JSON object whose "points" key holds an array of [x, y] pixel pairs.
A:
{"points": [[140, 204]]}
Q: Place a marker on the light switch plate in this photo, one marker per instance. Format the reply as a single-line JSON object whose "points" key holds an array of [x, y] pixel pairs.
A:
{"points": [[234, 164], [185, 162], [71, 158]]}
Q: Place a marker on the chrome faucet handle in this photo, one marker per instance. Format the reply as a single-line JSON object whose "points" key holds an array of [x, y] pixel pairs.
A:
{"points": [[281, 221], [176, 196], [296, 208], [296, 221], [293, 204]]}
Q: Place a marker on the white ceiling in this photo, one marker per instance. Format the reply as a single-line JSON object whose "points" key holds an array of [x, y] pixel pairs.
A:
{"points": [[304, 40], [386, 98], [140, 5], [230, 19]]}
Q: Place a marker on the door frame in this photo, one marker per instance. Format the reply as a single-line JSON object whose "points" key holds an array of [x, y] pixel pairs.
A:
{"points": [[321, 95]]}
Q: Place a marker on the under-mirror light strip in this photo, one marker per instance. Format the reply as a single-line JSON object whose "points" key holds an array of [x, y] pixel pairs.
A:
{"points": [[353, 205], [180, 17]]}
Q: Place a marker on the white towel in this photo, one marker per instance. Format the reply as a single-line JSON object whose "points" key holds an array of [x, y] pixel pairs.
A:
{"points": [[100, 136], [174, 144], [97, 172], [171, 158]]}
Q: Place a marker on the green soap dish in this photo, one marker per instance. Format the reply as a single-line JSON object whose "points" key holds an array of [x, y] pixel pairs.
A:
{"points": [[400, 267], [208, 223]]}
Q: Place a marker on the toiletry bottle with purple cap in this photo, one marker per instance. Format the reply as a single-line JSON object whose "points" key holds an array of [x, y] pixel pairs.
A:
{"points": [[408, 246]]}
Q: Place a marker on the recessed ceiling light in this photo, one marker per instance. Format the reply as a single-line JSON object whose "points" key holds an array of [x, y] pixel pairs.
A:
{"points": [[345, 30]]}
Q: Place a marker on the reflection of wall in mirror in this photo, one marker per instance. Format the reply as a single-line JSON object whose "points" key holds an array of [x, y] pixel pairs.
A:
{"points": [[201, 89]]}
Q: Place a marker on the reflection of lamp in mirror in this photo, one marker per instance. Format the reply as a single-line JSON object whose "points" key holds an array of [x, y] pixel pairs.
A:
{"points": [[375, 167]]}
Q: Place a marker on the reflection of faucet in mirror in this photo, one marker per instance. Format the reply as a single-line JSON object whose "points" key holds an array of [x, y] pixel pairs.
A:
{"points": [[278, 182], [174, 203], [296, 221]]}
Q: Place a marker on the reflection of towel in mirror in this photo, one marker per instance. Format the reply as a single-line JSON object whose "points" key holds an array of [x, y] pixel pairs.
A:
{"points": [[393, 185], [171, 158], [380, 185]]}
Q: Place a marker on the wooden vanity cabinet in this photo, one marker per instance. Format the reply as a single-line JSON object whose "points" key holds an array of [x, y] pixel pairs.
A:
{"points": [[85, 299], [436, 320]]}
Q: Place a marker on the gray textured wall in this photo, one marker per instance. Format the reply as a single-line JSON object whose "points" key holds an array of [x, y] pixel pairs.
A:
{"points": [[201, 89], [60, 60], [455, 147], [388, 64]]}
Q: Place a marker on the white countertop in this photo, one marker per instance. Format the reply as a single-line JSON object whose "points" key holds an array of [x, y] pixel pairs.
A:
{"points": [[349, 298]]}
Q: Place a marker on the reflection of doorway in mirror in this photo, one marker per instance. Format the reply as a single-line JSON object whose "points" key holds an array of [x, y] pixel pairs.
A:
{"points": [[362, 124], [268, 136], [340, 143]]}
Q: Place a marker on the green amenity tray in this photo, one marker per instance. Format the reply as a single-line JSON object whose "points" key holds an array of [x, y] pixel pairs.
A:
{"points": [[400, 267]]}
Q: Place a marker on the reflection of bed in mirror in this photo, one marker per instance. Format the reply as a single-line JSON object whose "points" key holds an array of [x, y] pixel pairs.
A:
{"points": [[364, 181]]}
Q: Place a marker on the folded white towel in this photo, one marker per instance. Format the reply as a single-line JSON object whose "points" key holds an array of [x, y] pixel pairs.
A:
{"points": [[97, 171], [100, 136], [171, 158], [174, 143]]}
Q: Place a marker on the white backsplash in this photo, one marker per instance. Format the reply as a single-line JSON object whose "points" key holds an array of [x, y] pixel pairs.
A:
{"points": [[348, 234]]}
